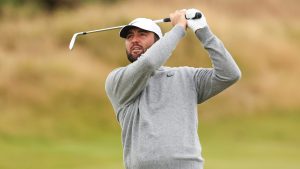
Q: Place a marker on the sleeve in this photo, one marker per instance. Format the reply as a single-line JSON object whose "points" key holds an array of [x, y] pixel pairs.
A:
{"points": [[125, 84], [224, 72]]}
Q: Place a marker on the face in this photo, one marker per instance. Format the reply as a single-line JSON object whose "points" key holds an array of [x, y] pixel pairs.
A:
{"points": [[137, 42]]}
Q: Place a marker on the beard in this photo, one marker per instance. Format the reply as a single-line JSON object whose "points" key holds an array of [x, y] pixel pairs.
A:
{"points": [[132, 58]]}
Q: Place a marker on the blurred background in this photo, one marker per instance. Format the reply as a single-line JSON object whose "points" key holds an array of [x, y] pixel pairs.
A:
{"points": [[54, 113]]}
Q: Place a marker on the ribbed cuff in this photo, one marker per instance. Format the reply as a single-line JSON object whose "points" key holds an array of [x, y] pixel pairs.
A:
{"points": [[204, 34]]}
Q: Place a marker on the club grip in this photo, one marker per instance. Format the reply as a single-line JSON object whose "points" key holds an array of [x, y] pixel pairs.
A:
{"points": [[198, 15], [167, 20]]}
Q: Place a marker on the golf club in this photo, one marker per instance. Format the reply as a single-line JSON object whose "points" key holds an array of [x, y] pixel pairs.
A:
{"points": [[197, 16]]}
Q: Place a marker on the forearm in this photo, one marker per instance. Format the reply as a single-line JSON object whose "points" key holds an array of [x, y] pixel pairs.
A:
{"points": [[160, 52], [225, 68], [224, 73]]}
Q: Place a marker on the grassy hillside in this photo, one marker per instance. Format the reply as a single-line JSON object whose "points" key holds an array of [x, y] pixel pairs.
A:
{"points": [[53, 108]]}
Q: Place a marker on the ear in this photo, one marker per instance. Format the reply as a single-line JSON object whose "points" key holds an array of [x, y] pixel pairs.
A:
{"points": [[156, 37]]}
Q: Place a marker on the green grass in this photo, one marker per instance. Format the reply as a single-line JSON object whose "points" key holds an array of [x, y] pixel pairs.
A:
{"points": [[267, 141], [30, 153]]}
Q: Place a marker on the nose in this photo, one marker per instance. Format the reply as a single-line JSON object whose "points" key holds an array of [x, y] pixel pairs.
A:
{"points": [[135, 38]]}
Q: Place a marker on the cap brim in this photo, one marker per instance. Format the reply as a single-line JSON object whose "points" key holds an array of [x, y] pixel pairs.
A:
{"points": [[124, 31]]}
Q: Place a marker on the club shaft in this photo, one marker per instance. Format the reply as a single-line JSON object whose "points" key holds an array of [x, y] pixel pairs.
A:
{"points": [[71, 45], [198, 15], [119, 27], [106, 29], [100, 30]]}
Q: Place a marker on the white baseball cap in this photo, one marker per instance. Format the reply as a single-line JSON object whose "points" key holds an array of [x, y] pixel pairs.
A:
{"points": [[142, 23]]}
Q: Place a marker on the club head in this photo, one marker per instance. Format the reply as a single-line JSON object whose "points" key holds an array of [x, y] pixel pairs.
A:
{"points": [[73, 40]]}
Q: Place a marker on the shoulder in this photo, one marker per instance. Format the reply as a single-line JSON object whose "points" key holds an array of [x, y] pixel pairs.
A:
{"points": [[113, 76], [115, 72]]}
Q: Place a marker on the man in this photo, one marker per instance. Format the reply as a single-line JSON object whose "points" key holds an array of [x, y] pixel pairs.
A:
{"points": [[156, 106]]}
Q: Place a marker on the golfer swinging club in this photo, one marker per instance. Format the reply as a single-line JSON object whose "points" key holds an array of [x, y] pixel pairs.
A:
{"points": [[155, 105]]}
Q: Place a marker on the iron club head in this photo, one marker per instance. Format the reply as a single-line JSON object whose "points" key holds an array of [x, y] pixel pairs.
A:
{"points": [[74, 39]]}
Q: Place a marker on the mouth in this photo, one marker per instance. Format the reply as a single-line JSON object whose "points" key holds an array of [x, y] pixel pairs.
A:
{"points": [[136, 49]]}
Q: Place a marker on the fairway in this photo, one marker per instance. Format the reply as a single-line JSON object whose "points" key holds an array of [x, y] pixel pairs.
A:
{"points": [[260, 142]]}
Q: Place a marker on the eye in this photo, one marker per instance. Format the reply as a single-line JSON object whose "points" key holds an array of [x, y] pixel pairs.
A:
{"points": [[129, 36], [143, 34]]}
